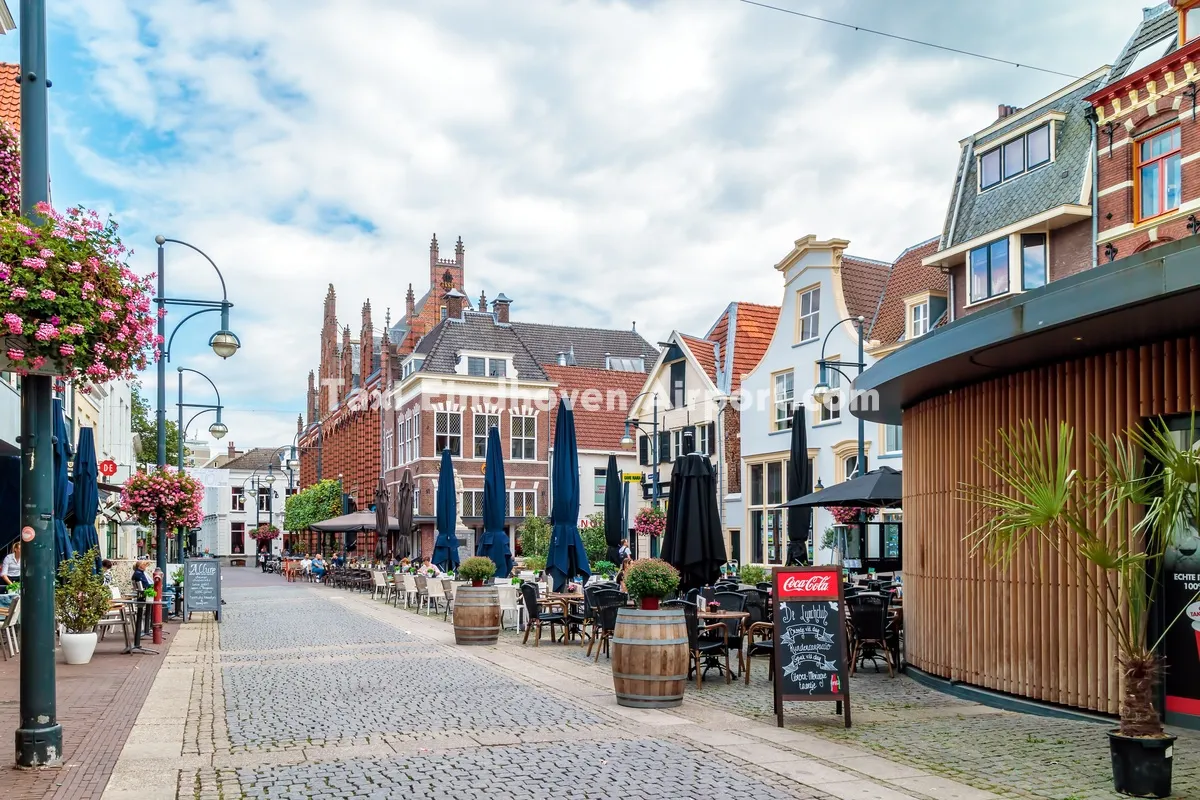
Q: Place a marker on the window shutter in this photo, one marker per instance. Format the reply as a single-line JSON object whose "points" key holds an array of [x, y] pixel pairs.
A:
{"points": [[712, 438], [644, 450], [664, 446]]}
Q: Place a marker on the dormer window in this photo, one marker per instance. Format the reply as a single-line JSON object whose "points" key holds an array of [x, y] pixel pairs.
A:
{"points": [[1189, 24], [919, 319], [1015, 157]]}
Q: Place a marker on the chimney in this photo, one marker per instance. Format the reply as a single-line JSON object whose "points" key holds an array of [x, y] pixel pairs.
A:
{"points": [[232, 451], [500, 307], [562, 358], [454, 304], [1006, 111]]}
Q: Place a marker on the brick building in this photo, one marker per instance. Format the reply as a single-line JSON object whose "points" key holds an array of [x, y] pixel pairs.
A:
{"points": [[1149, 179]]}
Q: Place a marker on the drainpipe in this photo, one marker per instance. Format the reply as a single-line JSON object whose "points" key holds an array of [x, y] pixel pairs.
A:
{"points": [[1093, 122], [970, 152]]}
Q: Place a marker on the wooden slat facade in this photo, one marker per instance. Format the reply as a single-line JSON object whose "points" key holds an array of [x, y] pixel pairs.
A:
{"points": [[1031, 630]]}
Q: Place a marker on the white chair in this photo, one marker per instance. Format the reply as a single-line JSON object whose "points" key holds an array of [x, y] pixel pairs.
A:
{"points": [[509, 605], [11, 643], [380, 587], [114, 618], [410, 589]]}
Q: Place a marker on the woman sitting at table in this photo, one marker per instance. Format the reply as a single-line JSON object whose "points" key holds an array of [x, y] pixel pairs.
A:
{"points": [[318, 567]]}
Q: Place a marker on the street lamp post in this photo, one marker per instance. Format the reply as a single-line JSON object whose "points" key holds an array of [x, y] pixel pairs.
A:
{"points": [[224, 343], [627, 442], [218, 430], [39, 738]]}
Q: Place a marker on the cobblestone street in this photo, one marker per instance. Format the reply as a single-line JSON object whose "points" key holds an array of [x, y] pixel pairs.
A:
{"points": [[306, 692]]}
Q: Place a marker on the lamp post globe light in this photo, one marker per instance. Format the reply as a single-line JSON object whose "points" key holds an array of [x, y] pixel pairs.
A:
{"points": [[224, 343], [218, 430]]}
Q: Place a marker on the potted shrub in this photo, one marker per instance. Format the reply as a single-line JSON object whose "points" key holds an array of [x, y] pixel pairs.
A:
{"points": [[1145, 486], [649, 645], [649, 580], [477, 569], [752, 574], [81, 599], [477, 607]]}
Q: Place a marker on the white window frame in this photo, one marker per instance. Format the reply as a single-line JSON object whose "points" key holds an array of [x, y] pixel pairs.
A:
{"points": [[783, 402], [438, 433], [415, 422], [237, 498], [813, 315], [519, 454], [893, 434], [264, 498], [488, 420], [483, 366], [831, 411], [702, 443], [476, 496], [919, 319]]}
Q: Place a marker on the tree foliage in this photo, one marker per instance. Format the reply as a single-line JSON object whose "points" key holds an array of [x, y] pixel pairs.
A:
{"points": [[318, 502], [146, 431], [535, 537], [592, 534]]}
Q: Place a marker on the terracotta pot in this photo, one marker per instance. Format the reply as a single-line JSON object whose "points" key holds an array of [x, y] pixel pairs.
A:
{"points": [[650, 603]]}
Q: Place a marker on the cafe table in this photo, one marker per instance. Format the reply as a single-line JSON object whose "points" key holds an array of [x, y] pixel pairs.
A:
{"points": [[722, 616]]}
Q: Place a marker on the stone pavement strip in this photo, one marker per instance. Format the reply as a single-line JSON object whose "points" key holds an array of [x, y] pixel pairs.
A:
{"points": [[306, 692]]}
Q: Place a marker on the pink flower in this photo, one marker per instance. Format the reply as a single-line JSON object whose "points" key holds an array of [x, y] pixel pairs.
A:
{"points": [[15, 354], [37, 264], [107, 316], [14, 323], [67, 350], [19, 293], [75, 267], [46, 253], [48, 294]]}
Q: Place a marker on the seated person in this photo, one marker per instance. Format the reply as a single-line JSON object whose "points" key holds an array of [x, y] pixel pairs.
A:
{"points": [[318, 567], [306, 564]]}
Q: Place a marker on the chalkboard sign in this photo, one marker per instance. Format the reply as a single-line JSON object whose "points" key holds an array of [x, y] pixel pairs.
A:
{"points": [[202, 585], [810, 638]]}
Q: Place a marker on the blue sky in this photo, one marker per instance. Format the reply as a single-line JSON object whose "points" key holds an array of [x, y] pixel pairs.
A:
{"points": [[605, 161]]}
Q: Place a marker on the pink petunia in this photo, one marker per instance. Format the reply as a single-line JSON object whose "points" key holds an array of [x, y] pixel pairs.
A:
{"points": [[19, 293], [48, 294]]}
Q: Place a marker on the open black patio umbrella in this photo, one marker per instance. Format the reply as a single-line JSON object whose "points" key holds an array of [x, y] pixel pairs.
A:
{"points": [[404, 510], [692, 541], [383, 535], [85, 500], [493, 543], [879, 488], [567, 558], [799, 483], [445, 547], [63, 547], [613, 516]]}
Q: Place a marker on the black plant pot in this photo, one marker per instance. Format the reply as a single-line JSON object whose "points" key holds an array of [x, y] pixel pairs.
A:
{"points": [[1141, 767]]}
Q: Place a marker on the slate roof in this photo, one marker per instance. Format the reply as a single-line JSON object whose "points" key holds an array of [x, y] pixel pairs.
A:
{"points": [[1058, 183], [475, 331], [907, 277], [602, 428], [10, 95], [863, 280], [589, 344], [258, 458], [1158, 23]]}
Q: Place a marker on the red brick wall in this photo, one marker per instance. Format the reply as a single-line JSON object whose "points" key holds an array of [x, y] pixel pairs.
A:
{"points": [[1070, 250], [731, 423]]}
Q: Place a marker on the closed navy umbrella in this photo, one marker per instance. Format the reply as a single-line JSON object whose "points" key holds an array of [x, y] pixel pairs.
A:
{"points": [[692, 541], [493, 543], [799, 484], [85, 500], [613, 534], [445, 548], [63, 548], [567, 559]]}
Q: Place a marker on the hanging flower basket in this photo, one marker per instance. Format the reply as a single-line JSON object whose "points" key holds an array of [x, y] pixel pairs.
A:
{"points": [[650, 521], [69, 305], [849, 516], [265, 533], [167, 494]]}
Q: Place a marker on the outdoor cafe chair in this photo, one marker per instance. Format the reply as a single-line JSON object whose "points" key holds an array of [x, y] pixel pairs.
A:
{"points": [[733, 601], [510, 605], [11, 644], [760, 641], [450, 589], [422, 592], [706, 643], [605, 605], [378, 583], [410, 590], [537, 617], [869, 625]]}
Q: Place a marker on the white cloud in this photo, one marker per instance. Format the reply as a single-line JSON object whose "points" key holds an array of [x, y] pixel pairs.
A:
{"points": [[604, 161]]}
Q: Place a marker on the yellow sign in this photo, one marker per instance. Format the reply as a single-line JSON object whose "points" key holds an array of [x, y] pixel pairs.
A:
{"points": [[632, 477]]}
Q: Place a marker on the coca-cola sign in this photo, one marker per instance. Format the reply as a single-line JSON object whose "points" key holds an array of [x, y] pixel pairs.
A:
{"points": [[808, 585]]}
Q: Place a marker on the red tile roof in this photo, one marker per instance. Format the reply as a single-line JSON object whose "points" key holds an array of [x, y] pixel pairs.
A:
{"points": [[705, 352], [754, 327], [10, 95], [863, 282], [598, 428], [908, 277]]}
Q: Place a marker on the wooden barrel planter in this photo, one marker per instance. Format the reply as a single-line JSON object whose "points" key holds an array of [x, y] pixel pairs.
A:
{"points": [[650, 658], [476, 615]]}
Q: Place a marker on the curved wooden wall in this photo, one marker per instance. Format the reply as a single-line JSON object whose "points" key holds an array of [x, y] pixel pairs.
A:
{"points": [[1031, 630]]}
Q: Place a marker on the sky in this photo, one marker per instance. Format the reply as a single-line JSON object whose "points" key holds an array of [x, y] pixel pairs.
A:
{"points": [[605, 161]]}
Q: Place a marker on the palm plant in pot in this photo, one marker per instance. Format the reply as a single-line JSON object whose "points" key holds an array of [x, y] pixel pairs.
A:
{"points": [[81, 599], [1114, 529]]}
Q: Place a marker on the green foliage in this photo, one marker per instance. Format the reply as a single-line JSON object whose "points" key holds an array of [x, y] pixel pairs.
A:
{"points": [[535, 563], [317, 503], [604, 567], [1036, 492], [81, 598], [477, 568], [146, 432], [594, 543], [177, 576], [829, 540], [651, 577], [535, 538], [751, 574]]}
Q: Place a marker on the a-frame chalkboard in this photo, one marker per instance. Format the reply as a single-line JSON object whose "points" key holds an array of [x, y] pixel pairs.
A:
{"points": [[810, 638]]}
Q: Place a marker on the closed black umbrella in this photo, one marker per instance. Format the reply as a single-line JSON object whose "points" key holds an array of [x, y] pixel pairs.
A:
{"points": [[404, 509], [382, 528], [799, 483], [612, 512], [692, 541]]}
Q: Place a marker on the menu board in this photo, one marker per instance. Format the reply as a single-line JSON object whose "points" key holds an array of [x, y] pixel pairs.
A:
{"points": [[810, 638], [202, 585], [1181, 645]]}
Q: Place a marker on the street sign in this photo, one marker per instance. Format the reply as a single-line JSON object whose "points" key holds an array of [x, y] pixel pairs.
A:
{"points": [[632, 477], [108, 468]]}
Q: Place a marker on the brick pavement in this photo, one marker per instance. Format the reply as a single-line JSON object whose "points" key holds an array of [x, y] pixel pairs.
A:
{"points": [[97, 705], [307, 692]]}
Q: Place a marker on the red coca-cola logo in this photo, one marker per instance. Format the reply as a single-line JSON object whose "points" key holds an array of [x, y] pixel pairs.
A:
{"points": [[809, 584]]}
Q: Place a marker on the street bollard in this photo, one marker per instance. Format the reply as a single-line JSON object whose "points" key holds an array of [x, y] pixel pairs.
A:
{"points": [[158, 607]]}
